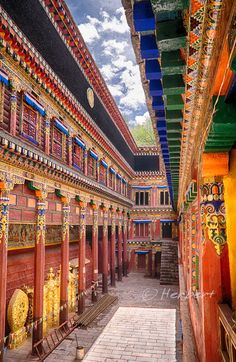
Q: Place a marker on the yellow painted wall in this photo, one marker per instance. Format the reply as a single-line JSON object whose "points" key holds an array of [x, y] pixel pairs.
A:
{"points": [[230, 206]]}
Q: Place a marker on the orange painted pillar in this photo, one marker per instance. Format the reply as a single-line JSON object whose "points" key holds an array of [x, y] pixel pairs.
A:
{"points": [[39, 268], [64, 261], [214, 240], [95, 253], [125, 254], [82, 253], [113, 250], [120, 240], [105, 253], [4, 220]]}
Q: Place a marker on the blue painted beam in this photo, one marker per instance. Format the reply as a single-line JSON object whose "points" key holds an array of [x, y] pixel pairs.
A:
{"points": [[155, 87], [152, 69], [144, 19], [158, 103], [148, 47]]}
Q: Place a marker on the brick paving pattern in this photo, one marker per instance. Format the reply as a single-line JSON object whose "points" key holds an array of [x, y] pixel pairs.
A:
{"points": [[136, 334]]}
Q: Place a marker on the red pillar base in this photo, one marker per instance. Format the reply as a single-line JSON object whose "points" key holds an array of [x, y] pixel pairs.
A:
{"points": [[104, 283], [125, 269], [37, 335], [113, 278], [120, 272], [94, 296], [81, 304], [63, 312]]}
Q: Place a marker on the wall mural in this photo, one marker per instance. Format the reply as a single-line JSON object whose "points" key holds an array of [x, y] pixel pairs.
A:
{"points": [[21, 236]]}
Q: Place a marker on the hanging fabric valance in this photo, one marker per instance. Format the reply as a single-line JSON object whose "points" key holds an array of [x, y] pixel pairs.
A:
{"points": [[142, 187], [61, 127], [79, 142], [112, 170], [4, 77], [31, 101], [104, 163], [93, 154]]}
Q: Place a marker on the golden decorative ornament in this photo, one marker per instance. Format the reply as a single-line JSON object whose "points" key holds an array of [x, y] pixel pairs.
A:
{"points": [[17, 312], [90, 97]]}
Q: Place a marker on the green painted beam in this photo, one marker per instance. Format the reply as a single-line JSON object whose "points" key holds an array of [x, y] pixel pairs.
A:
{"points": [[174, 102], [225, 112], [174, 116], [173, 84], [174, 127], [170, 35]]}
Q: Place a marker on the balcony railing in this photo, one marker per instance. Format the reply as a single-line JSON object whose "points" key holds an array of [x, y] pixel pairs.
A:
{"points": [[227, 334]]}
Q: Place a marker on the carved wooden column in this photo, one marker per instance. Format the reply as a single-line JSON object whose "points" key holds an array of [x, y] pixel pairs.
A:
{"points": [[39, 266], [82, 253], [113, 250], [129, 227], [13, 105], [47, 135], [95, 252], [105, 252], [4, 221], [70, 149], [120, 240], [85, 162], [125, 255], [64, 261]]}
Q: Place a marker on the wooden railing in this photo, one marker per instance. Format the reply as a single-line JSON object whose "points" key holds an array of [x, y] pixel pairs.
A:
{"points": [[227, 334]]}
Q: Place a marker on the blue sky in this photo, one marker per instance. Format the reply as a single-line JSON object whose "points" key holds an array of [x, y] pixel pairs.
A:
{"points": [[106, 33]]}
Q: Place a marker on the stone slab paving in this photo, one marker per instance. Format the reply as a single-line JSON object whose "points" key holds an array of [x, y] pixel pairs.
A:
{"points": [[137, 334]]}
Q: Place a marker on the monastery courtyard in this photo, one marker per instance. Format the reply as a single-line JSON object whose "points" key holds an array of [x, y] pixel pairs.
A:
{"points": [[146, 321]]}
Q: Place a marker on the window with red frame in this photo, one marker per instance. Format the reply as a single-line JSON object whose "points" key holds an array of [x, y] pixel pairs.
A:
{"points": [[78, 157], [111, 180], [102, 174], [29, 123], [57, 143], [118, 185], [142, 230], [92, 167]]}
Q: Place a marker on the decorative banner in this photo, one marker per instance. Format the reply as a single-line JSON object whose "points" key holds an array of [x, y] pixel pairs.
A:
{"points": [[119, 176], [79, 142], [34, 104], [142, 187], [213, 215], [142, 221]]}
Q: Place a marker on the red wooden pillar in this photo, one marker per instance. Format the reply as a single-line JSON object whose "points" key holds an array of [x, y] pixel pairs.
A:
{"points": [[120, 249], [4, 220], [95, 253], [125, 255], [158, 229], [82, 253], [39, 268], [105, 253], [13, 102], [64, 261], [47, 136], [113, 250], [129, 227], [70, 145], [85, 162]]}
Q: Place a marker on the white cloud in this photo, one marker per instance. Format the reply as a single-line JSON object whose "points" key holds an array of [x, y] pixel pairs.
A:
{"points": [[112, 47], [89, 32], [142, 119], [115, 89], [108, 72]]}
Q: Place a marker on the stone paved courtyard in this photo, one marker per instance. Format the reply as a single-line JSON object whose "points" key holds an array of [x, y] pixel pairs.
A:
{"points": [[136, 334], [138, 292]]}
